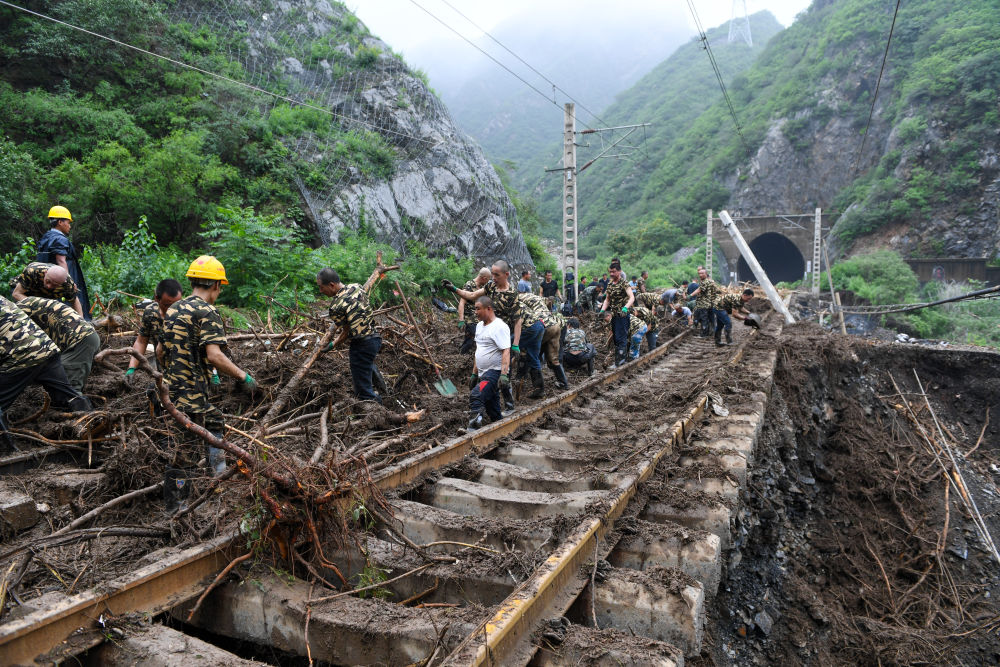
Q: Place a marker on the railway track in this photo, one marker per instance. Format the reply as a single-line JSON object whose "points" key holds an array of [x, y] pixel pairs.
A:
{"points": [[576, 513]]}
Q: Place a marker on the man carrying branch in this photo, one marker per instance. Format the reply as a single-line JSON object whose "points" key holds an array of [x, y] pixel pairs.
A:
{"points": [[351, 311]]}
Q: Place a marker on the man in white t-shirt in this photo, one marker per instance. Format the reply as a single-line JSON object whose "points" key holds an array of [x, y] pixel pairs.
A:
{"points": [[491, 366]]}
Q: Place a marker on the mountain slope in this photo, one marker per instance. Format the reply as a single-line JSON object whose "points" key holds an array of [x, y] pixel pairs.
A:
{"points": [[351, 138], [927, 181]]}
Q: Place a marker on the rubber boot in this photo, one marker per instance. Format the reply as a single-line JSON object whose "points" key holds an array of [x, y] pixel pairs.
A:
{"points": [[508, 399], [476, 420], [621, 356], [176, 489], [216, 461], [379, 382], [718, 337], [538, 382], [590, 367], [729, 337], [80, 404], [562, 382]]}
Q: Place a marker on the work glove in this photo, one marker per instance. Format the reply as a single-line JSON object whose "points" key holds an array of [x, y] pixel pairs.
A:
{"points": [[130, 372], [215, 380], [600, 312], [473, 381], [461, 324], [329, 346], [624, 310], [250, 383], [515, 349], [448, 285], [504, 380]]}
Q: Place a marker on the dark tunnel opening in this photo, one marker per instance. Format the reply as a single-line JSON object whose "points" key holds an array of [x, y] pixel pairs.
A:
{"points": [[778, 256]]}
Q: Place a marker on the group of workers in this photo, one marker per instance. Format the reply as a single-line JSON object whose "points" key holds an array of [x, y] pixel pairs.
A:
{"points": [[503, 322]]}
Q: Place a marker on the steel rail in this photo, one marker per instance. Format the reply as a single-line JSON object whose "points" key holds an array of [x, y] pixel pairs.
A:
{"points": [[73, 625], [505, 638]]}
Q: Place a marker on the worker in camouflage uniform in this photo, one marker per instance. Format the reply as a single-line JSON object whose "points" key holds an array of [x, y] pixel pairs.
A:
{"points": [[535, 316], [648, 300], [351, 311], [193, 342], [730, 305], [28, 356], [640, 283], [704, 305], [618, 299], [467, 311], [576, 351], [591, 297], [74, 336], [506, 306], [680, 311], [535, 308], [50, 281], [650, 320], [636, 332], [168, 292]]}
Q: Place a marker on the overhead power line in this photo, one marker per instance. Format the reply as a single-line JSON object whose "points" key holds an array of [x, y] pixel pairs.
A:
{"points": [[718, 75], [525, 63], [885, 56], [490, 56], [216, 75]]}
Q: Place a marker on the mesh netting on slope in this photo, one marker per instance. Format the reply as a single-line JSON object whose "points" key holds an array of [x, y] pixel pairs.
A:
{"points": [[380, 148]]}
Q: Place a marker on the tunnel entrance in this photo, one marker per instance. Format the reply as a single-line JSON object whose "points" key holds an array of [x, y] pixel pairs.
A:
{"points": [[778, 256]]}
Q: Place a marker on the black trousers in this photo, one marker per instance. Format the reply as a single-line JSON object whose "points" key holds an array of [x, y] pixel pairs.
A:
{"points": [[49, 374]]}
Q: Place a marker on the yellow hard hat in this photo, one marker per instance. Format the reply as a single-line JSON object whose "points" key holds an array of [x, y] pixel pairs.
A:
{"points": [[207, 267], [60, 213]]}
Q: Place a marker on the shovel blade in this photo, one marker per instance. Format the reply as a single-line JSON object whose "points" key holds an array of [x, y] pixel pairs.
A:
{"points": [[445, 387]]}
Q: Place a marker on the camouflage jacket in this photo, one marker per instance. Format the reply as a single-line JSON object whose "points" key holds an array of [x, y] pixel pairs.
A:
{"points": [[470, 306], [647, 316], [151, 324], [189, 326], [617, 296], [576, 341], [709, 292], [640, 285], [648, 300], [350, 309], [23, 344], [60, 322], [33, 281], [729, 302], [533, 309], [635, 325], [506, 305]]}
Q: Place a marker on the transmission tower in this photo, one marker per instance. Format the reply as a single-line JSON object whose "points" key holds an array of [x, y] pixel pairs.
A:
{"points": [[739, 25]]}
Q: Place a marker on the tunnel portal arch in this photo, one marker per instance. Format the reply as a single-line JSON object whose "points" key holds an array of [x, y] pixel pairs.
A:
{"points": [[778, 255]]}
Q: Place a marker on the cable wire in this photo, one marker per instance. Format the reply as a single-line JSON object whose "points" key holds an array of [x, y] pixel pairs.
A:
{"points": [[718, 75], [216, 75], [885, 56], [525, 63], [485, 53]]}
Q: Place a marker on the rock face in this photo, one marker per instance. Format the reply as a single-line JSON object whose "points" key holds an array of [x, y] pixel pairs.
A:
{"points": [[805, 161], [439, 189]]}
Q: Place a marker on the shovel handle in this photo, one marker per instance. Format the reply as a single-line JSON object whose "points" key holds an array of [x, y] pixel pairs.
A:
{"points": [[413, 323]]}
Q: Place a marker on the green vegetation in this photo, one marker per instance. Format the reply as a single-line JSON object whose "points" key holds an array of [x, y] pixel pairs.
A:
{"points": [[115, 135], [883, 278], [530, 221]]}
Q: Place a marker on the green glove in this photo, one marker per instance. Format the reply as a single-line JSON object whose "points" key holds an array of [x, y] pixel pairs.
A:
{"points": [[600, 312], [624, 310], [461, 324], [250, 382], [448, 285], [473, 381], [504, 380], [329, 346], [130, 372], [515, 349], [216, 380]]}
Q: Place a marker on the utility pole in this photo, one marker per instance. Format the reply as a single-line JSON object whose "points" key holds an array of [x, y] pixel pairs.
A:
{"points": [[569, 226], [817, 244], [758, 272]]}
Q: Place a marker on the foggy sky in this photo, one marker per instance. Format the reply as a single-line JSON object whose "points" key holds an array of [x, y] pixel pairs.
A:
{"points": [[426, 44]]}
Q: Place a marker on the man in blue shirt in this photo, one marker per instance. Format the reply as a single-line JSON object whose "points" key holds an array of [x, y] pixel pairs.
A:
{"points": [[524, 284], [55, 248]]}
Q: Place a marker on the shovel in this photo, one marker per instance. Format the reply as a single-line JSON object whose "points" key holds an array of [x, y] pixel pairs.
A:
{"points": [[444, 386]]}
